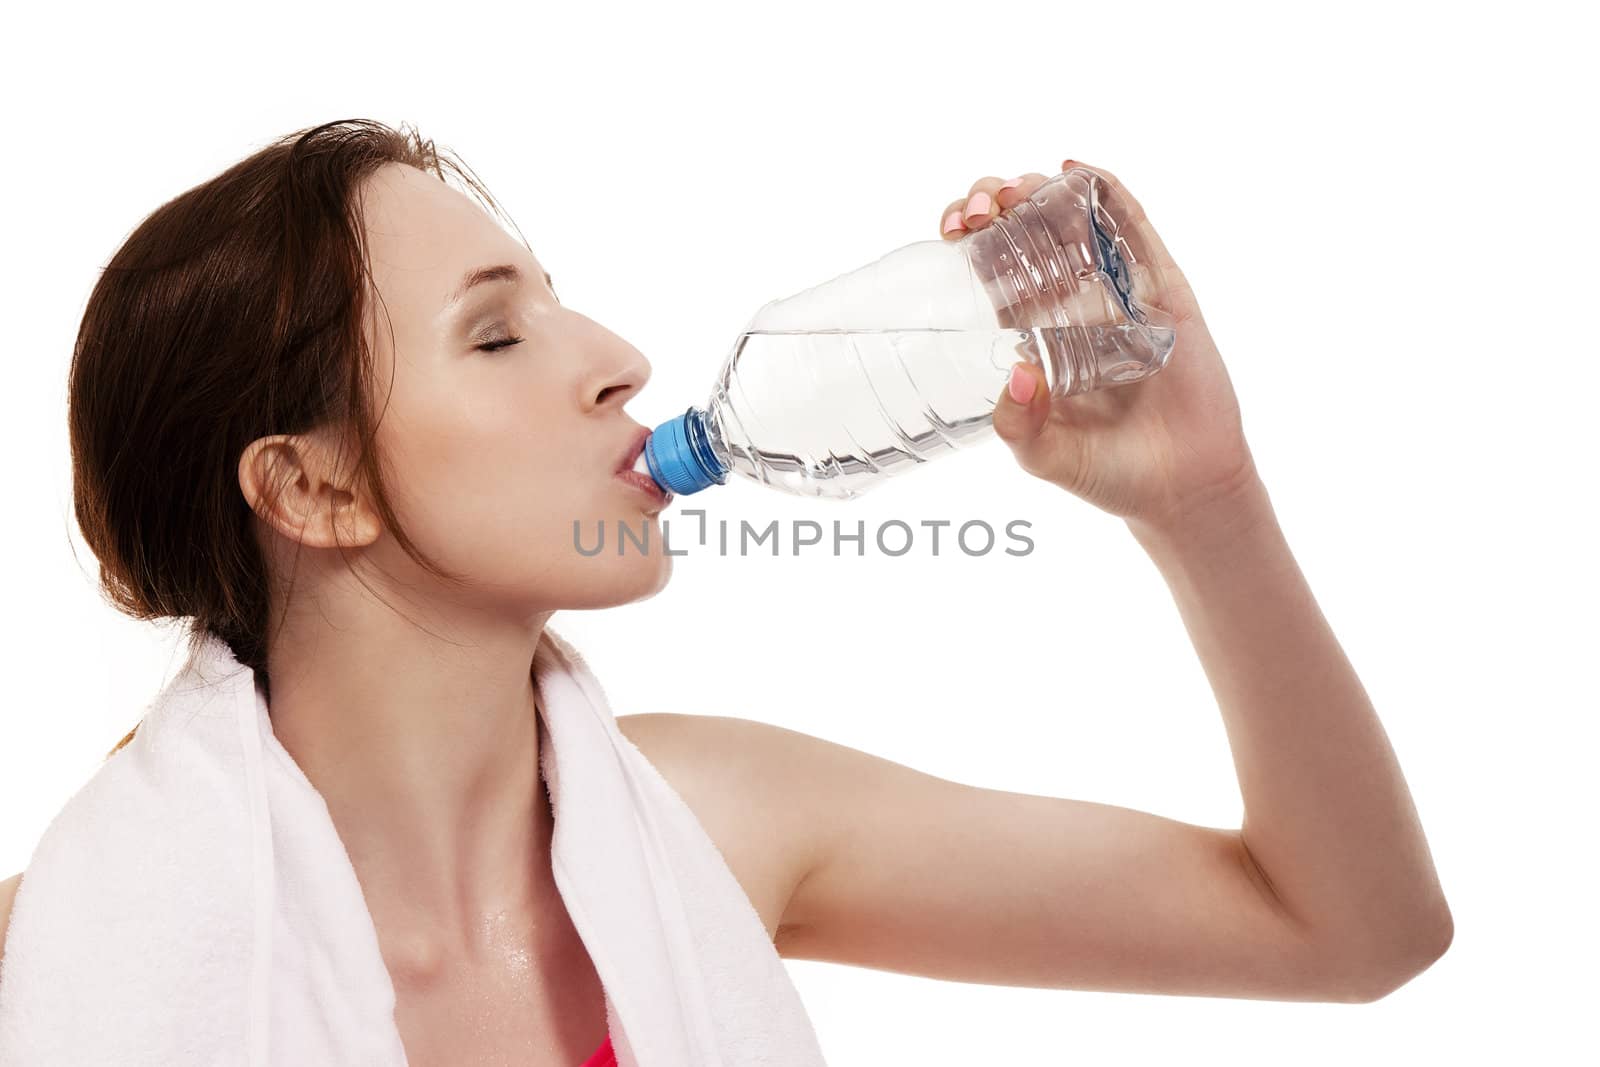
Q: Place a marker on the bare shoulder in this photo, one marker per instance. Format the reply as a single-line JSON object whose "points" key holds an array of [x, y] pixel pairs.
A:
{"points": [[748, 783], [8, 894]]}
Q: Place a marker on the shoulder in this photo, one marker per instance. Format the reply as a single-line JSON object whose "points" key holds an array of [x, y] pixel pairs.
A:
{"points": [[8, 895], [724, 761], [760, 791]]}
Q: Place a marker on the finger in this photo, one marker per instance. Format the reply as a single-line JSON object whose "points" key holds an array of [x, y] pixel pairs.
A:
{"points": [[1019, 421], [960, 219], [981, 207], [987, 184], [972, 212], [950, 225], [1018, 189]]}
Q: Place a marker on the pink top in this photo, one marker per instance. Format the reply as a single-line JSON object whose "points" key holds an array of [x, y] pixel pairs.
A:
{"points": [[604, 1056]]}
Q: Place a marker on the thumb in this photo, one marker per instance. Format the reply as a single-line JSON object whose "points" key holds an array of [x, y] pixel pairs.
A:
{"points": [[1021, 411]]}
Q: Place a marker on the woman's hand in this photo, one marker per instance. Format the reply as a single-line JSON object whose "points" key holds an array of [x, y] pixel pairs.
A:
{"points": [[1151, 451]]}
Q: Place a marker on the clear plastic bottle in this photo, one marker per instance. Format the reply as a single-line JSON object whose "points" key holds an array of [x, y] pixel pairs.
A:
{"points": [[830, 391]]}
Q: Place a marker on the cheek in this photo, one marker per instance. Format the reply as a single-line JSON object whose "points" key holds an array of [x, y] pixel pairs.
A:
{"points": [[482, 470]]}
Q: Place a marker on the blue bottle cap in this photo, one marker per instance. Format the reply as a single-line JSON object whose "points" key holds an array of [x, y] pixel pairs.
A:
{"points": [[679, 458]]}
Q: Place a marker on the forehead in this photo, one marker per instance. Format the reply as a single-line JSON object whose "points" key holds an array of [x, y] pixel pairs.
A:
{"points": [[423, 235]]}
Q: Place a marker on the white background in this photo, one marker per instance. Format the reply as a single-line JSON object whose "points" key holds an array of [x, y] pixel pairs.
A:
{"points": [[1386, 211]]}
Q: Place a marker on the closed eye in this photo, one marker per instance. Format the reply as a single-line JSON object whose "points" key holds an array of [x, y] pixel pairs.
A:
{"points": [[495, 346]]}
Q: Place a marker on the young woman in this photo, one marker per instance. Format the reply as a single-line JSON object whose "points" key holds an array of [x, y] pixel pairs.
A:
{"points": [[326, 408]]}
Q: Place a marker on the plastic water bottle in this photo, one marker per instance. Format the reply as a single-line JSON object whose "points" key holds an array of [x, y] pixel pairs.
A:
{"points": [[830, 391]]}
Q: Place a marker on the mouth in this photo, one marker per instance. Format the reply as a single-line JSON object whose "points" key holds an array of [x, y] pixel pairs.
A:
{"points": [[645, 484], [642, 482], [634, 451]]}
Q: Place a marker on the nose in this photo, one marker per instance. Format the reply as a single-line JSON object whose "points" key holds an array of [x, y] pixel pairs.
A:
{"points": [[624, 377]]}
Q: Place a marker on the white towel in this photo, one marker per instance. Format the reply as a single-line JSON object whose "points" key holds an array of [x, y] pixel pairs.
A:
{"points": [[192, 903]]}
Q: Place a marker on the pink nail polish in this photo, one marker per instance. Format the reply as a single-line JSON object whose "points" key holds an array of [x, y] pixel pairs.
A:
{"points": [[977, 207], [1012, 184], [952, 221], [1021, 384]]}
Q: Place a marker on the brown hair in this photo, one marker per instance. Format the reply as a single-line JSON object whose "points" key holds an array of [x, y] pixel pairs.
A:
{"points": [[234, 311]]}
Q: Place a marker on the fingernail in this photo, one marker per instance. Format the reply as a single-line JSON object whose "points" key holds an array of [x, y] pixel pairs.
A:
{"points": [[977, 207], [1012, 184], [1020, 385], [952, 221]]}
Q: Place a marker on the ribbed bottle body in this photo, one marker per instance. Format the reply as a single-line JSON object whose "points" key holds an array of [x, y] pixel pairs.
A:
{"points": [[830, 391]]}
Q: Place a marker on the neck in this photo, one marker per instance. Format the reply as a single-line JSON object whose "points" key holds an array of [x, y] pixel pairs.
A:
{"points": [[427, 754]]}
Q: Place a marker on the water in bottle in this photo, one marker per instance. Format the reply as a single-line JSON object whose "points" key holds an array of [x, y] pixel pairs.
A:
{"points": [[831, 391]]}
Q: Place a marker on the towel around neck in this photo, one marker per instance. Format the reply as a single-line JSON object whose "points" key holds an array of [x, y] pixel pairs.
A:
{"points": [[192, 903]]}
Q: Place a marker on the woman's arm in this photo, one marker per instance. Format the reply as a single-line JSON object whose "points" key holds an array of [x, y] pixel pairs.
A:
{"points": [[1328, 818], [1326, 893], [1330, 823]]}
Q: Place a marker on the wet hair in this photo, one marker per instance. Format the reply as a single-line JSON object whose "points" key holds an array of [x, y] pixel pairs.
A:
{"points": [[234, 311]]}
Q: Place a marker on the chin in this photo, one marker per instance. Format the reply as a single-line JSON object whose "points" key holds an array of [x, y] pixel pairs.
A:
{"points": [[611, 581], [647, 575]]}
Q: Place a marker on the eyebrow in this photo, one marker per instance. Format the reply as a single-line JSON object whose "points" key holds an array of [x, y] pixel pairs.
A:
{"points": [[502, 272]]}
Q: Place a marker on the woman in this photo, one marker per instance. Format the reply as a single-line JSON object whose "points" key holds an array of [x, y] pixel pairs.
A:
{"points": [[364, 390]]}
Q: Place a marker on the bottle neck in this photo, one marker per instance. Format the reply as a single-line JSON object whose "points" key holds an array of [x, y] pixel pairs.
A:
{"points": [[680, 455], [699, 437]]}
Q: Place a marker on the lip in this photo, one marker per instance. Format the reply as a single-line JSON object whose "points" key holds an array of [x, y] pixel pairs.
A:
{"points": [[642, 482], [645, 484], [635, 449]]}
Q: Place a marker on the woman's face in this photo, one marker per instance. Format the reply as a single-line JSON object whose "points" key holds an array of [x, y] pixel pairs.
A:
{"points": [[492, 454]]}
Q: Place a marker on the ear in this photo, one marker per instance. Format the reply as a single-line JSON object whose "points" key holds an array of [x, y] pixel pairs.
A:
{"points": [[295, 483]]}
